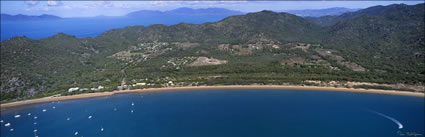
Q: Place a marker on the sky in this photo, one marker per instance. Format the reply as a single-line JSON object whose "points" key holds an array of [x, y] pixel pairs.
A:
{"points": [[119, 8]]}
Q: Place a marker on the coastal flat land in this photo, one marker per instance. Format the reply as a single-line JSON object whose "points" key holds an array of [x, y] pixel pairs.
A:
{"points": [[89, 95]]}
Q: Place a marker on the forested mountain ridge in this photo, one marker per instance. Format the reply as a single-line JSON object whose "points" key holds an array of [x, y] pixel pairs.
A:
{"points": [[382, 44], [371, 11], [393, 36], [278, 26]]}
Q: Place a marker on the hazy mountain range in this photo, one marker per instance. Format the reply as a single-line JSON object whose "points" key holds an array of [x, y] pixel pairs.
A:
{"points": [[320, 12], [188, 12]]}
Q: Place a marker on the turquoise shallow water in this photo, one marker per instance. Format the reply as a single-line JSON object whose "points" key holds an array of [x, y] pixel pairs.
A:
{"points": [[256, 112]]}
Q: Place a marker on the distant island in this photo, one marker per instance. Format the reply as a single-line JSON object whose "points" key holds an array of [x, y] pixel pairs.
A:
{"points": [[20, 17], [374, 48], [141, 13]]}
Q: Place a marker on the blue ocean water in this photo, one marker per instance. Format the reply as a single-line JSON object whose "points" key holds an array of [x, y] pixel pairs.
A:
{"points": [[236, 113], [90, 27]]}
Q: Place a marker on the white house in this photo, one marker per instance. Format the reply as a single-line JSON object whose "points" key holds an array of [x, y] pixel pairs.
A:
{"points": [[100, 87], [73, 89], [140, 84], [170, 83]]}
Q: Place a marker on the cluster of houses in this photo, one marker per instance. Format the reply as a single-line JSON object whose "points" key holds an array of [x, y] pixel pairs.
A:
{"points": [[134, 85], [177, 62], [143, 84], [256, 46], [168, 84], [152, 47], [85, 89], [141, 52]]}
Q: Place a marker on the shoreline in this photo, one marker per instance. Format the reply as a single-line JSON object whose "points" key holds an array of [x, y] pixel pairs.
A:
{"points": [[100, 94]]}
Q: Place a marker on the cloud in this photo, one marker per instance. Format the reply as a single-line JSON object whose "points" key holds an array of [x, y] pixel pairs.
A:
{"points": [[54, 3], [107, 4], [31, 2], [100, 4]]}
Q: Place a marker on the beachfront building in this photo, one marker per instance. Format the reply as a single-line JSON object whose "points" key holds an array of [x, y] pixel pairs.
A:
{"points": [[170, 83], [98, 88], [73, 89], [140, 84]]}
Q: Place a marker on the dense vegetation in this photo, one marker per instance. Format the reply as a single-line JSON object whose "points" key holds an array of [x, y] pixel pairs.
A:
{"points": [[383, 44]]}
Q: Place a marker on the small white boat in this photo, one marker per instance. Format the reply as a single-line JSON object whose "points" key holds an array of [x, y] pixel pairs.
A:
{"points": [[101, 129], [44, 110], [12, 129], [53, 107], [35, 117], [132, 111], [7, 124], [1, 121], [68, 118], [132, 103], [17, 116], [76, 133], [90, 117], [35, 123], [35, 130], [29, 114]]}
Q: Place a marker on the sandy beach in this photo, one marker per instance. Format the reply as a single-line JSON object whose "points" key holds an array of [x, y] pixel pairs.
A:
{"points": [[89, 95]]}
